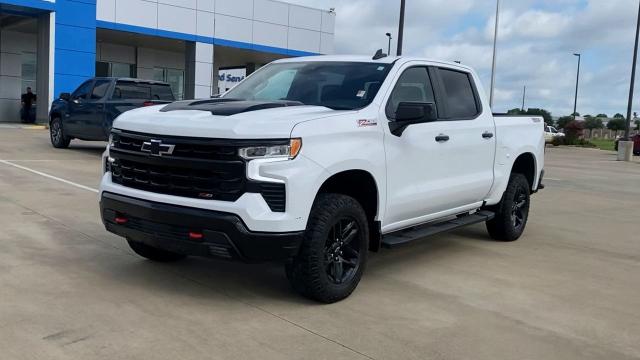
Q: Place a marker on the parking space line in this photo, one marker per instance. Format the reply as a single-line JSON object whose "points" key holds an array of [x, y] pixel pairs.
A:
{"points": [[80, 186]]}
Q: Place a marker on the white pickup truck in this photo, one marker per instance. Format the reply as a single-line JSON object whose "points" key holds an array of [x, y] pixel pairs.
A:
{"points": [[315, 162]]}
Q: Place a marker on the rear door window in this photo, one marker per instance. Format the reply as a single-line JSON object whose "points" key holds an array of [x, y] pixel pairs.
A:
{"points": [[131, 91], [460, 96], [161, 92], [142, 91]]}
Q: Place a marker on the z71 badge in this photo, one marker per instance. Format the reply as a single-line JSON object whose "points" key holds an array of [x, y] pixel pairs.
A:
{"points": [[365, 122]]}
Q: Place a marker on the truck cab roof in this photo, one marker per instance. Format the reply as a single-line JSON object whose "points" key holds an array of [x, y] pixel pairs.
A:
{"points": [[368, 59], [145, 81]]}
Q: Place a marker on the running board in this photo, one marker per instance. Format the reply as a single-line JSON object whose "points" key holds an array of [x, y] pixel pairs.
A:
{"points": [[406, 236]]}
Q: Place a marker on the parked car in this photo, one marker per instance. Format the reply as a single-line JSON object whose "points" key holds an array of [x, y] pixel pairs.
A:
{"points": [[636, 144], [89, 111], [315, 161], [551, 133]]}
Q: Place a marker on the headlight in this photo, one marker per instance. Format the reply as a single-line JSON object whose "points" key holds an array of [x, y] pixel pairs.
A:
{"points": [[110, 144], [268, 152]]}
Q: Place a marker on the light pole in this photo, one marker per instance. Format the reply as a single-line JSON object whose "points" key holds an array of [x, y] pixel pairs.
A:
{"points": [[625, 146], [633, 81], [524, 96], [575, 103], [401, 27], [389, 48], [495, 53]]}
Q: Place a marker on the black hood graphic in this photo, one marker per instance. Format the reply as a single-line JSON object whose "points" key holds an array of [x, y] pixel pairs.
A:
{"points": [[228, 107]]}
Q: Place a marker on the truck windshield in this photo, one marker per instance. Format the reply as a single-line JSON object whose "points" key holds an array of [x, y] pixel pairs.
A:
{"points": [[336, 85]]}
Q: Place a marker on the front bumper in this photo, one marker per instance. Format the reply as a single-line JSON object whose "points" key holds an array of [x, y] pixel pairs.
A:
{"points": [[168, 226]]}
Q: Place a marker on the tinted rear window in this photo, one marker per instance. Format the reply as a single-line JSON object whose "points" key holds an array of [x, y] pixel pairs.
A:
{"points": [[460, 96], [142, 91]]}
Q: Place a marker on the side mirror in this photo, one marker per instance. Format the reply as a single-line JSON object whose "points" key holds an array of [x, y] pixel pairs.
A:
{"points": [[65, 96], [410, 113]]}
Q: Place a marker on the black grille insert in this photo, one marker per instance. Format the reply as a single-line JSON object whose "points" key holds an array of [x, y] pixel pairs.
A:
{"points": [[207, 169]]}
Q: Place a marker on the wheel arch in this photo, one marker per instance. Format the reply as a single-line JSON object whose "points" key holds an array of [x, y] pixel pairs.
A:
{"points": [[54, 115], [362, 186], [526, 165]]}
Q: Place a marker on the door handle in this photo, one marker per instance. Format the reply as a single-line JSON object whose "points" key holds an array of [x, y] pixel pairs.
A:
{"points": [[442, 138], [487, 135]]}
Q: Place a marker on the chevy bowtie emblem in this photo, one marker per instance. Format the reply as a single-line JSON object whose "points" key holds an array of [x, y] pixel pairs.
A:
{"points": [[157, 148]]}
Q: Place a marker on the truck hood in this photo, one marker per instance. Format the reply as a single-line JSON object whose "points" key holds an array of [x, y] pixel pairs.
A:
{"points": [[249, 124]]}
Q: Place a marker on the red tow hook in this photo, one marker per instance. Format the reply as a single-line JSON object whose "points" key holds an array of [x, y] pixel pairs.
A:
{"points": [[197, 236], [121, 220]]}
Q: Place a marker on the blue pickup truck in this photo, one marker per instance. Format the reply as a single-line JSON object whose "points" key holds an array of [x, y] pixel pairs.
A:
{"points": [[88, 112]]}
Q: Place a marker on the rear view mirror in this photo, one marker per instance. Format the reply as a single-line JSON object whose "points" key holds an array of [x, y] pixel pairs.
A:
{"points": [[65, 96], [410, 113]]}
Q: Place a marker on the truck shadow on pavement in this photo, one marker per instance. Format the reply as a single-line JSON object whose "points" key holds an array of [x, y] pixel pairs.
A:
{"points": [[93, 150], [220, 281]]}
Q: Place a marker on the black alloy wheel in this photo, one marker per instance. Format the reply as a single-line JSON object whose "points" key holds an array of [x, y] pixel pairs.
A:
{"points": [[342, 251]]}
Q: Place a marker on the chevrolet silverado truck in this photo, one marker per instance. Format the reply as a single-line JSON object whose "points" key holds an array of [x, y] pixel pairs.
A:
{"points": [[88, 112], [316, 162]]}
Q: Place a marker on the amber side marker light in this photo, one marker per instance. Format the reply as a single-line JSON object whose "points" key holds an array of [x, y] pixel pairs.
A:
{"points": [[294, 147]]}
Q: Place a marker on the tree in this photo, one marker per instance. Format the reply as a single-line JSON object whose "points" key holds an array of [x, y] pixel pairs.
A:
{"points": [[516, 112], [617, 124], [637, 122], [618, 116], [593, 123], [563, 121], [588, 117], [575, 114], [602, 116]]}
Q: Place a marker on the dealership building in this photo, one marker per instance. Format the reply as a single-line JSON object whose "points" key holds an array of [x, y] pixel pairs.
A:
{"points": [[200, 47]]}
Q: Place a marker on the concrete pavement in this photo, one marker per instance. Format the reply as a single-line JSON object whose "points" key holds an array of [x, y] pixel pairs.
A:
{"points": [[569, 289]]}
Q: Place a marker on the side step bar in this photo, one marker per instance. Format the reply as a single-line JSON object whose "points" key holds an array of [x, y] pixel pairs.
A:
{"points": [[406, 236]]}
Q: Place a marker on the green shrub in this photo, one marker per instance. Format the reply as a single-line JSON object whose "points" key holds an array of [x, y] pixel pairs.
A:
{"points": [[572, 141]]}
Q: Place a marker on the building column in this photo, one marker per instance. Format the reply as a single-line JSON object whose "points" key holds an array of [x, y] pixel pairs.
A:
{"points": [[198, 82], [44, 69], [75, 48]]}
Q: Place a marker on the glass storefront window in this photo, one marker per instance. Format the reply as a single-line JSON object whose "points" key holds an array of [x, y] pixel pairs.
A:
{"points": [[113, 69], [28, 71], [173, 77]]}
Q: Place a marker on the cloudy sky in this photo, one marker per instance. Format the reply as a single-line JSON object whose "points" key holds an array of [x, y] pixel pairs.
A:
{"points": [[536, 44]]}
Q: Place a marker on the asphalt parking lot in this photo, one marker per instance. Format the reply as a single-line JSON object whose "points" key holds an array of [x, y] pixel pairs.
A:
{"points": [[569, 289]]}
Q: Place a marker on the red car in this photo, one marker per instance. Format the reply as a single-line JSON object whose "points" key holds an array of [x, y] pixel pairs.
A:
{"points": [[636, 144]]}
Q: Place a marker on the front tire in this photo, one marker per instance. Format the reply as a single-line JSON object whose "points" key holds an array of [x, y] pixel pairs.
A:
{"points": [[56, 132], [333, 254], [153, 253], [512, 212]]}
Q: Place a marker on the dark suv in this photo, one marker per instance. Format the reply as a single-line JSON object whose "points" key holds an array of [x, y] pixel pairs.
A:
{"points": [[88, 112]]}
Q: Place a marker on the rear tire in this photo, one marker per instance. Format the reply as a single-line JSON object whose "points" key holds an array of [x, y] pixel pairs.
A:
{"points": [[512, 212], [333, 254], [153, 253], [56, 132]]}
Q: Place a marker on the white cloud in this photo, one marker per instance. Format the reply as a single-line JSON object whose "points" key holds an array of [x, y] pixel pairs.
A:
{"points": [[536, 44]]}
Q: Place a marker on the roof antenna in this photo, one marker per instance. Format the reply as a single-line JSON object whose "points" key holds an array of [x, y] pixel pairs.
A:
{"points": [[379, 55]]}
